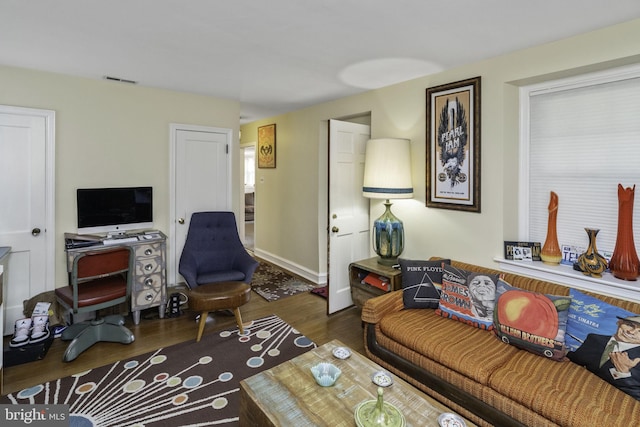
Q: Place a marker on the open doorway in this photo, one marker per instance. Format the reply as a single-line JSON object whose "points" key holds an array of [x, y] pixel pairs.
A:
{"points": [[249, 154]]}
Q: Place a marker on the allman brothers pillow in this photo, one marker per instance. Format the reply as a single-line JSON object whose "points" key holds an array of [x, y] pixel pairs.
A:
{"points": [[468, 296], [421, 282], [531, 320]]}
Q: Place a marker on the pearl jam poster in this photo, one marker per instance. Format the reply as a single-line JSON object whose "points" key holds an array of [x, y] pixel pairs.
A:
{"points": [[453, 146]]}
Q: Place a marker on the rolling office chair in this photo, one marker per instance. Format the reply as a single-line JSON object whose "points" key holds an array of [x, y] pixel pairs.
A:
{"points": [[99, 279], [213, 251]]}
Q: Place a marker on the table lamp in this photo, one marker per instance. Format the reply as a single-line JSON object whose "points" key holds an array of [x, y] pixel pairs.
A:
{"points": [[387, 175]]}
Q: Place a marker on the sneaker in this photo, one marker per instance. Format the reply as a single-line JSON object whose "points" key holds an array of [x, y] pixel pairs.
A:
{"points": [[40, 330], [21, 332]]}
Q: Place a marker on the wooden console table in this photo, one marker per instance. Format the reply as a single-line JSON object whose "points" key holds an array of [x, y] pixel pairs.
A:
{"points": [[149, 284]]}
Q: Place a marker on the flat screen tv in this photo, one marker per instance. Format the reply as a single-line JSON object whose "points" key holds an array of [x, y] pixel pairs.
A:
{"points": [[114, 210]]}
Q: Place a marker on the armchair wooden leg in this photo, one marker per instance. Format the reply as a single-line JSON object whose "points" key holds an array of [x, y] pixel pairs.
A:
{"points": [[203, 322], [236, 311]]}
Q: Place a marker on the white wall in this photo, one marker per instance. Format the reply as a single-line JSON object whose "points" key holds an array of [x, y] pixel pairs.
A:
{"points": [[112, 134], [292, 198]]}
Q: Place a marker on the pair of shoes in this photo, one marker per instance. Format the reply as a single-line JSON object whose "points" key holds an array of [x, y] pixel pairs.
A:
{"points": [[29, 331]]}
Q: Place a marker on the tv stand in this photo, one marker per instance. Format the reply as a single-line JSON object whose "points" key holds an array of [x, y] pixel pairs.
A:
{"points": [[149, 278]]}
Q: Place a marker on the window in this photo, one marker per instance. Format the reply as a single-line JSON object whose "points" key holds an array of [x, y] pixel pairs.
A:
{"points": [[580, 137]]}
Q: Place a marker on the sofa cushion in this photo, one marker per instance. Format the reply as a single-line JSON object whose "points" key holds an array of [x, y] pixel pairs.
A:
{"points": [[561, 392], [472, 352], [532, 321], [468, 296], [421, 282]]}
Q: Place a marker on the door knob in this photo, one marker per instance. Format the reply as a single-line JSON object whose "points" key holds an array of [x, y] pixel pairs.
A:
{"points": [[335, 229], [180, 220], [35, 231]]}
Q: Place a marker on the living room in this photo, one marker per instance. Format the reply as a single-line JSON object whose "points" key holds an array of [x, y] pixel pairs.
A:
{"points": [[103, 128]]}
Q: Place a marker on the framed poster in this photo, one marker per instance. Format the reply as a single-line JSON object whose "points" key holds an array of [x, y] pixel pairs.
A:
{"points": [[267, 146], [453, 146]]}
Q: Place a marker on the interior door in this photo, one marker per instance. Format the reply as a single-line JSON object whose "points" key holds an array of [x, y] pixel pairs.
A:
{"points": [[201, 182], [26, 205], [348, 209]]}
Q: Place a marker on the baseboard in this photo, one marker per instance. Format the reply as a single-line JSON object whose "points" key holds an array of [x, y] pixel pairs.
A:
{"points": [[312, 276]]}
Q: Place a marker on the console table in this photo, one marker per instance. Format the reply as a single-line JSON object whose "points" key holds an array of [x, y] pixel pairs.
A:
{"points": [[361, 292], [149, 281]]}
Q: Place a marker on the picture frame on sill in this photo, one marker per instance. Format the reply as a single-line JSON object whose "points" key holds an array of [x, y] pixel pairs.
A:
{"points": [[453, 145], [267, 146], [522, 251]]}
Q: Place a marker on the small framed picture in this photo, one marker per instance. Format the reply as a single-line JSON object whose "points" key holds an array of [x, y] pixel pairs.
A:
{"points": [[267, 146]]}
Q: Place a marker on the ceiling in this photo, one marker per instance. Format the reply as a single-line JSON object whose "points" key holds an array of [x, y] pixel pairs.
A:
{"points": [[275, 56]]}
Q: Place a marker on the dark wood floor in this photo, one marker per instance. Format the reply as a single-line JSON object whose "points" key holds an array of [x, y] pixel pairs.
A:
{"points": [[306, 312]]}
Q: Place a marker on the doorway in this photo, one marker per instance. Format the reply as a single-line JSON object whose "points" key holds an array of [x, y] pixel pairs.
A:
{"points": [[200, 181], [348, 221], [249, 195], [27, 223]]}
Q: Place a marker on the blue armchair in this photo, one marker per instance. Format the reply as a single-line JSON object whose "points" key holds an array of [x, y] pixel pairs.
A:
{"points": [[213, 251]]}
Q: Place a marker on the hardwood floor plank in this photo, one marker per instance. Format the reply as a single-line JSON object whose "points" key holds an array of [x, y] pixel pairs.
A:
{"points": [[306, 312]]}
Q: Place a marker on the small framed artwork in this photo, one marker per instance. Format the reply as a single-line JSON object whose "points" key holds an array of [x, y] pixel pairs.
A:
{"points": [[453, 146], [267, 146]]}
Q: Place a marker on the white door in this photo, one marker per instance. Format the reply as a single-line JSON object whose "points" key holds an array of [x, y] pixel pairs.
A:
{"points": [[201, 181], [26, 205], [348, 209]]}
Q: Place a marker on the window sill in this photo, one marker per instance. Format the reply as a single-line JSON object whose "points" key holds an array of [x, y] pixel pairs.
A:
{"points": [[566, 275]]}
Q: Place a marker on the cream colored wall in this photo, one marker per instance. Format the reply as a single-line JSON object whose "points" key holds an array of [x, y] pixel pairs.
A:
{"points": [[291, 199], [112, 134]]}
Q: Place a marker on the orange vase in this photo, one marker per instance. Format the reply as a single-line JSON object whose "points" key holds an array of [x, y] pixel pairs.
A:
{"points": [[624, 262], [550, 253]]}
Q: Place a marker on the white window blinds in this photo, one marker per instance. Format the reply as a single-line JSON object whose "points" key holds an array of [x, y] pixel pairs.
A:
{"points": [[580, 138]]}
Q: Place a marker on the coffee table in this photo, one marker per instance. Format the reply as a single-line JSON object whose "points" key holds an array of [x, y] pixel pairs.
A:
{"points": [[287, 395]]}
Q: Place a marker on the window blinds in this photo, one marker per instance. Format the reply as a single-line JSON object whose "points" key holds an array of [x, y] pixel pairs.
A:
{"points": [[584, 139]]}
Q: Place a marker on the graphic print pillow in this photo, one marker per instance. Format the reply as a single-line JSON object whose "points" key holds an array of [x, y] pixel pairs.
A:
{"points": [[467, 296], [606, 340], [421, 282], [589, 315], [531, 320]]}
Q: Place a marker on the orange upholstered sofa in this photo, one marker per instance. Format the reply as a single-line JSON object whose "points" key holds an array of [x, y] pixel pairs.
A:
{"points": [[484, 379]]}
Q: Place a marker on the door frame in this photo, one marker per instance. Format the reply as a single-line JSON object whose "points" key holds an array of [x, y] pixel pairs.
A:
{"points": [[172, 268], [49, 117]]}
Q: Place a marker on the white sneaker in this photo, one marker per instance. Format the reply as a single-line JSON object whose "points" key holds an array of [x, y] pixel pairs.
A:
{"points": [[40, 331], [21, 332]]}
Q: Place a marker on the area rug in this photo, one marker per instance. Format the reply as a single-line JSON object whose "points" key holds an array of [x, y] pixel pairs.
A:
{"points": [[273, 283], [323, 291], [183, 385]]}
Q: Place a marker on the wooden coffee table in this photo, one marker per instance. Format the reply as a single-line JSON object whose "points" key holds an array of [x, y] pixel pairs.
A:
{"points": [[287, 395]]}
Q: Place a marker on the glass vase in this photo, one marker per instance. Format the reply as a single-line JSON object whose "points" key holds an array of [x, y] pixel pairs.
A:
{"points": [[624, 262], [550, 253], [591, 263]]}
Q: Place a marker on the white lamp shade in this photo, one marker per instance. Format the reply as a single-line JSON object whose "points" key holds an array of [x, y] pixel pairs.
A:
{"points": [[387, 169]]}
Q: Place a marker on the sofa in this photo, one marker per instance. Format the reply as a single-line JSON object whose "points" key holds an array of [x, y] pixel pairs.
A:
{"points": [[484, 379]]}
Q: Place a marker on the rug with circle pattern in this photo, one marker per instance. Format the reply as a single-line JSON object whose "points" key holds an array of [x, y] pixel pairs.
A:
{"points": [[185, 384]]}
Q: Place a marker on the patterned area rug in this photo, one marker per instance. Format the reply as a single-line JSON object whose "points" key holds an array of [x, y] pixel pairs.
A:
{"points": [[273, 283], [185, 384]]}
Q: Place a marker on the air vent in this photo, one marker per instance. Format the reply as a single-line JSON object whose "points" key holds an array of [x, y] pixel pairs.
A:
{"points": [[118, 79]]}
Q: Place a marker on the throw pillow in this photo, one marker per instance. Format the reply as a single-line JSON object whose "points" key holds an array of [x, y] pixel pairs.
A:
{"points": [[608, 341], [421, 282], [589, 315], [531, 320], [468, 296]]}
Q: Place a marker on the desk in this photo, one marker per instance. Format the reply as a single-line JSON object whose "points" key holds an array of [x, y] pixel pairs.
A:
{"points": [[149, 281]]}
